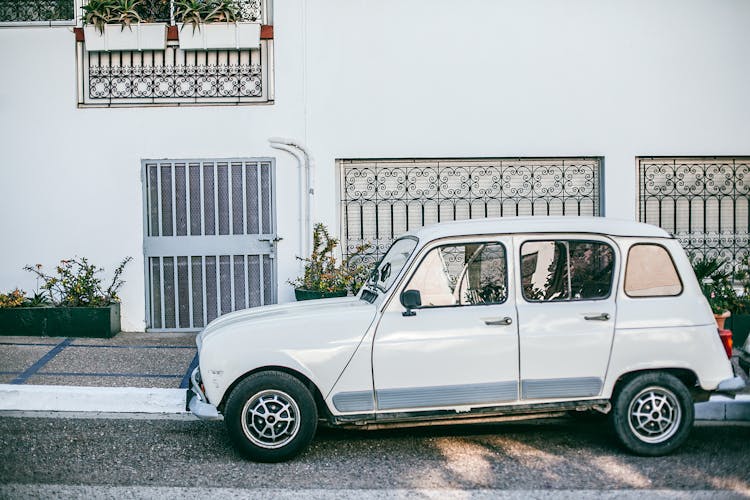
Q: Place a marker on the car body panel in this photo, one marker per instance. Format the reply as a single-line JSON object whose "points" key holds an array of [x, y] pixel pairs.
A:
{"points": [[315, 338]]}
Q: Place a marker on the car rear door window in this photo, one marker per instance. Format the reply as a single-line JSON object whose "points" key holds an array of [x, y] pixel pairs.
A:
{"points": [[559, 270]]}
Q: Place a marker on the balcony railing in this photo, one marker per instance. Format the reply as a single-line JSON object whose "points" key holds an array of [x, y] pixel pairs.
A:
{"points": [[37, 12], [174, 76]]}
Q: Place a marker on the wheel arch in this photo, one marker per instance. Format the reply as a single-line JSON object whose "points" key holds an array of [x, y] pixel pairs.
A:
{"points": [[685, 375], [314, 390]]}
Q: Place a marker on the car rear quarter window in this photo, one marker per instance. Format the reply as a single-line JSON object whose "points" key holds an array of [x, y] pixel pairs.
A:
{"points": [[650, 272]]}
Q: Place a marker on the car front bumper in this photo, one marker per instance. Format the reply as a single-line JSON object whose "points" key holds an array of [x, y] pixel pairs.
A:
{"points": [[196, 401]]}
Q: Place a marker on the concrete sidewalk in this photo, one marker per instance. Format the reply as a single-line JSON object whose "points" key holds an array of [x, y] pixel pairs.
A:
{"points": [[146, 373]]}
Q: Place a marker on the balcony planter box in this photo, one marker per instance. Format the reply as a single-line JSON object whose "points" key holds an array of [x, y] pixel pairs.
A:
{"points": [[301, 294], [139, 36], [102, 322], [220, 36]]}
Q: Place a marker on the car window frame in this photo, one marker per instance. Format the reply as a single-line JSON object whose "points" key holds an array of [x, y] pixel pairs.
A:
{"points": [[604, 241], [674, 266], [431, 248]]}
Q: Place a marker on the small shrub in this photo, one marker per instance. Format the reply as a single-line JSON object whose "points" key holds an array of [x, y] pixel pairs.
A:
{"points": [[77, 284], [14, 298], [323, 273]]}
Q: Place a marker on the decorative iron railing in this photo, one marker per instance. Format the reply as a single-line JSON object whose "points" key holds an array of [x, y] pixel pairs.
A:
{"points": [[702, 201], [37, 11], [179, 77], [174, 76], [382, 199]]}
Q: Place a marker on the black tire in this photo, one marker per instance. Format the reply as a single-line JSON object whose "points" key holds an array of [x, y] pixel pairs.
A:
{"points": [[271, 416], [653, 414]]}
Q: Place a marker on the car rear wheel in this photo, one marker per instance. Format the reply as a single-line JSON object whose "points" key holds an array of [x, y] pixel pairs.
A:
{"points": [[271, 416], [653, 414]]}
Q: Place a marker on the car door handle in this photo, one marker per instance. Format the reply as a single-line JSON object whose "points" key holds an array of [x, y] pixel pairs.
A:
{"points": [[497, 321], [600, 317]]}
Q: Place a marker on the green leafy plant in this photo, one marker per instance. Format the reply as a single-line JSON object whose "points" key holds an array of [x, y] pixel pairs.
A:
{"points": [[323, 273], [99, 13], [39, 299], [716, 283], [196, 12], [14, 298], [126, 13], [77, 283], [222, 11], [190, 12]]}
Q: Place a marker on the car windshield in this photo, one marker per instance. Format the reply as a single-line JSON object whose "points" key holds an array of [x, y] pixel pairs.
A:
{"points": [[390, 266]]}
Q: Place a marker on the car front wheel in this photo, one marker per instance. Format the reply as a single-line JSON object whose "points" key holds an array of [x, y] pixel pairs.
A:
{"points": [[653, 414], [271, 416]]}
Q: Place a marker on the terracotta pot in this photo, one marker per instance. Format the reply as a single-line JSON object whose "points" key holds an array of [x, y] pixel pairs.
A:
{"points": [[721, 318]]}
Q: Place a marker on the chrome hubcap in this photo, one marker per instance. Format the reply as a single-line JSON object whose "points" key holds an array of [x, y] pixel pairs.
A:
{"points": [[654, 415], [270, 419]]}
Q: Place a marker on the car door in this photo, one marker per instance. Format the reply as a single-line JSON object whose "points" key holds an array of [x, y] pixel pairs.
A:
{"points": [[461, 346], [566, 312]]}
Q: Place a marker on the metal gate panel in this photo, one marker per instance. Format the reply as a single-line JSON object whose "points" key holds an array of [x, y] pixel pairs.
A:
{"points": [[209, 240], [381, 199]]}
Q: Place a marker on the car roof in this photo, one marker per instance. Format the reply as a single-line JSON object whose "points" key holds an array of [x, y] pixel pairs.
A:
{"points": [[511, 225]]}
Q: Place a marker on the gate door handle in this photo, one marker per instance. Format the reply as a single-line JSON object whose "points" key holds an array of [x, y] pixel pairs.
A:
{"points": [[497, 321], [600, 317]]}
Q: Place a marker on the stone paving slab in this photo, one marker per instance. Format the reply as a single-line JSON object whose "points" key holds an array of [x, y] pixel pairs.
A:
{"points": [[130, 360], [140, 359], [18, 358], [168, 382]]}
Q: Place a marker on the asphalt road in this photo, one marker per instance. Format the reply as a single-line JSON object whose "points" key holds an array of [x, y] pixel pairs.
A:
{"points": [[564, 454]]}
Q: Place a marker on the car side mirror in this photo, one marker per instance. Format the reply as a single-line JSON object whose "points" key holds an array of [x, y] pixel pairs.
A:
{"points": [[411, 299]]}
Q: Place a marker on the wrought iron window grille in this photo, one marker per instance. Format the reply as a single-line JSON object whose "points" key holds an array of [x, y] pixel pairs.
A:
{"points": [[381, 199], [702, 201], [37, 12]]}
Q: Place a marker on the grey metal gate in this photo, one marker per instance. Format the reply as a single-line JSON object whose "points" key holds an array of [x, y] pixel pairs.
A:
{"points": [[381, 199], [209, 242]]}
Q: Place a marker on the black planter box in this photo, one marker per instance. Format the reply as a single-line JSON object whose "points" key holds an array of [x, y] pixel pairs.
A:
{"points": [[740, 326], [302, 294], [101, 322]]}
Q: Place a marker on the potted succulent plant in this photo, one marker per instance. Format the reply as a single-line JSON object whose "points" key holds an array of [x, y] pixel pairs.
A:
{"points": [[323, 276], [717, 286], [71, 303], [120, 25], [214, 24]]}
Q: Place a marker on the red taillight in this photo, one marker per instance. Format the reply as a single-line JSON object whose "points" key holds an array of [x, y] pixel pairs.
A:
{"points": [[726, 341]]}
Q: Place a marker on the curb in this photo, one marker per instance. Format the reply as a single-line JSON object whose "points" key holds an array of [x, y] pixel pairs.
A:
{"points": [[724, 408], [63, 398], [91, 399]]}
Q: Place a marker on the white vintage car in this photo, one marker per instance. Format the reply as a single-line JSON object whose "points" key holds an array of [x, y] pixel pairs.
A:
{"points": [[479, 320]]}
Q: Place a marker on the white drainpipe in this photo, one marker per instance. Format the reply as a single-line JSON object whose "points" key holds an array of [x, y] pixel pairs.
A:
{"points": [[304, 160]]}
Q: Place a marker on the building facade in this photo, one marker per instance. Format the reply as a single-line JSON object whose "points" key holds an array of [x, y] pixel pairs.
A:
{"points": [[407, 113]]}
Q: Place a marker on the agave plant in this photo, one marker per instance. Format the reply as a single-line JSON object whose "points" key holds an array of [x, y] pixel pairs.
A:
{"points": [[126, 13], [222, 11], [190, 12], [99, 12]]}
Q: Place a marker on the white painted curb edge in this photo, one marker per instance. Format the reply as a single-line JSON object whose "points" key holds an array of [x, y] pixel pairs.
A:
{"points": [[93, 399], [63, 398]]}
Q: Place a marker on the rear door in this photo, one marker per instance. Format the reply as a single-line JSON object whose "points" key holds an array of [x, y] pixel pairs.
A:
{"points": [[566, 312]]}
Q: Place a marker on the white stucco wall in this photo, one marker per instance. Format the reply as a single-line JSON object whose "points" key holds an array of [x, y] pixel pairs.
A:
{"points": [[386, 79]]}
